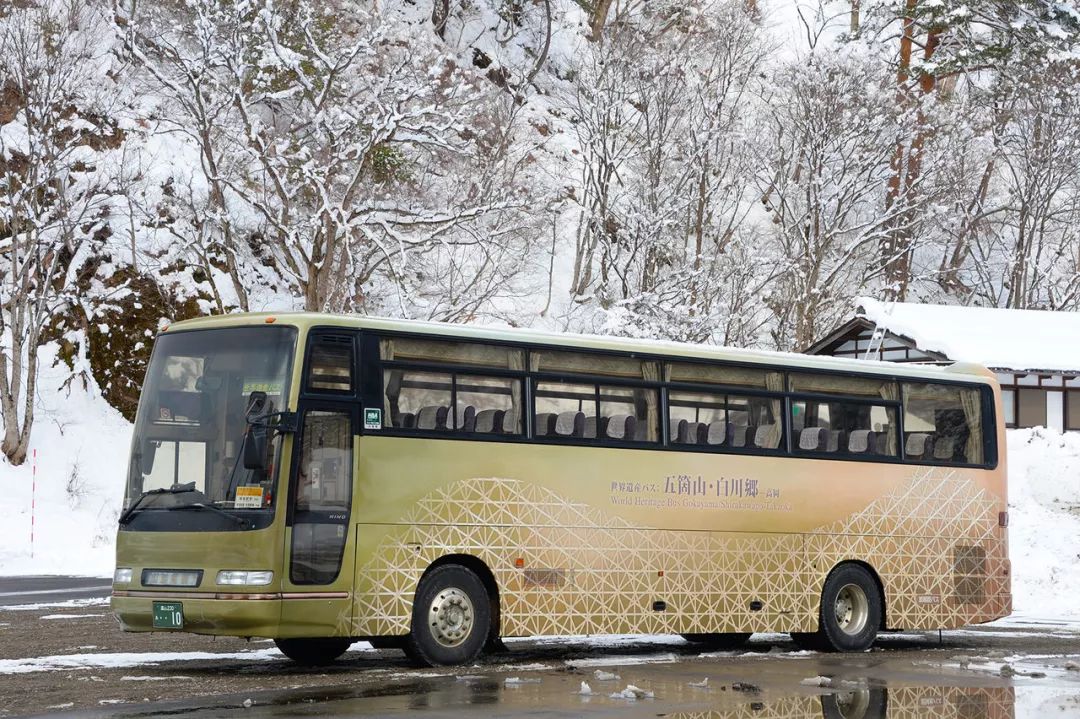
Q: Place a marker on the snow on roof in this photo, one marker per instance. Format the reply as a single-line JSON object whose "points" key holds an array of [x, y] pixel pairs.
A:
{"points": [[990, 336]]}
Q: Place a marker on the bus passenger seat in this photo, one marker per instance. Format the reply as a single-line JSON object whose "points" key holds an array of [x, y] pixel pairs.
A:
{"points": [[943, 448], [488, 421], [677, 431], [406, 420], [694, 432], [837, 439], [432, 417], [860, 441], [507, 423], [881, 441], [766, 436], [544, 424], [713, 433], [621, 426], [570, 424], [917, 445], [739, 435], [814, 439], [466, 419]]}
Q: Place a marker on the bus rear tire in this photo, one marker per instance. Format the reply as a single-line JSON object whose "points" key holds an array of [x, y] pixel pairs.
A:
{"points": [[451, 619], [851, 610], [313, 652], [721, 641]]}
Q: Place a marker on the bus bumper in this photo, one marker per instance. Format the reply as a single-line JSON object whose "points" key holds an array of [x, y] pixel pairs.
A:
{"points": [[238, 615]]}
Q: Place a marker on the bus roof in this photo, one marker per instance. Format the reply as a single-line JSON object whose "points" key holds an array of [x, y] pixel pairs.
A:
{"points": [[960, 371]]}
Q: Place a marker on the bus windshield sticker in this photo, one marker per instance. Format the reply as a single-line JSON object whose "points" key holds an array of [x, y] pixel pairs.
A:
{"points": [[249, 497], [373, 418], [260, 385]]}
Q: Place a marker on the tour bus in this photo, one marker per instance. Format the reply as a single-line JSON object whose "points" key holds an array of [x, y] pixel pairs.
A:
{"points": [[321, 479]]}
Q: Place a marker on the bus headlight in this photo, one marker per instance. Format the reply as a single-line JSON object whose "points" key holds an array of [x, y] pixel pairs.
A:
{"points": [[171, 578], [122, 575], [234, 577]]}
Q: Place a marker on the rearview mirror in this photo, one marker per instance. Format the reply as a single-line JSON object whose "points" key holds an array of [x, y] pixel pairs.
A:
{"points": [[255, 444]]}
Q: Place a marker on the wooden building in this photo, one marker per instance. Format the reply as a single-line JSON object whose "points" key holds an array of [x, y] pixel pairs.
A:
{"points": [[1035, 353]]}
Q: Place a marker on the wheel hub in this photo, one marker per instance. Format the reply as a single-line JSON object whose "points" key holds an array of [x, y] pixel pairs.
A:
{"points": [[451, 617], [852, 609], [853, 704]]}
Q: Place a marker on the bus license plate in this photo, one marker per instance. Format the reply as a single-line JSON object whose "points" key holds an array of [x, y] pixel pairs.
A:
{"points": [[168, 615]]}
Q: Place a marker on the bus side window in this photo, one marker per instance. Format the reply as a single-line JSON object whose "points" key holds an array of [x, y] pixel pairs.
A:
{"points": [[325, 461], [330, 364], [488, 405], [597, 412], [419, 400], [943, 423]]}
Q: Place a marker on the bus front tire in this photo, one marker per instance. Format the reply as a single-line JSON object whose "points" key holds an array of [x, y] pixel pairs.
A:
{"points": [[451, 617], [313, 652], [850, 613], [721, 641]]}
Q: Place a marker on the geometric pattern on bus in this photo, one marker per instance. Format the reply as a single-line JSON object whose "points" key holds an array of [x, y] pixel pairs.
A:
{"points": [[901, 702], [912, 538], [588, 572]]}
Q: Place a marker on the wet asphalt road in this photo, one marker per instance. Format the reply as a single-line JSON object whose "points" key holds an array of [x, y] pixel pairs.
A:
{"points": [[62, 654], [910, 676], [27, 590]]}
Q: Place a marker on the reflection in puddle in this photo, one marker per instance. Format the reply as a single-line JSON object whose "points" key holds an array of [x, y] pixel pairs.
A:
{"points": [[877, 703]]}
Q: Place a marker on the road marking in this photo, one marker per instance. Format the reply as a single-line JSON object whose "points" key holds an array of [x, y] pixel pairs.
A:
{"points": [[32, 593]]}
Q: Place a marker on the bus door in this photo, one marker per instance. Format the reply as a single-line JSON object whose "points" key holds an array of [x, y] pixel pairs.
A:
{"points": [[317, 582]]}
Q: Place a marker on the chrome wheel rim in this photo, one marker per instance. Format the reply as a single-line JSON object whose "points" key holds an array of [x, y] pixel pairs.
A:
{"points": [[853, 704], [852, 609], [450, 617]]}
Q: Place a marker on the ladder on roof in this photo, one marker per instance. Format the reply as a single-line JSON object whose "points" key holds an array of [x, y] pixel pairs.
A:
{"points": [[878, 336]]}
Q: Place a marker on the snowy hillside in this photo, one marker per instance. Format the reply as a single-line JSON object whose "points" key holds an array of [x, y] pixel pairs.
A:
{"points": [[82, 445]]}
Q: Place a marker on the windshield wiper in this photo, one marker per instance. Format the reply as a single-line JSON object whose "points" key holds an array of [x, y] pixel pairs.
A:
{"points": [[175, 489], [199, 505]]}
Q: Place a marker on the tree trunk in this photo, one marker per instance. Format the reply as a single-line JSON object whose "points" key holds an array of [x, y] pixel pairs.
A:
{"points": [[906, 162], [598, 18]]}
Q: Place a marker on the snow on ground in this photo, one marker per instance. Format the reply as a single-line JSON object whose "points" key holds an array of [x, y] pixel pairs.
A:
{"points": [[124, 660], [1044, 522], [82, 446]]}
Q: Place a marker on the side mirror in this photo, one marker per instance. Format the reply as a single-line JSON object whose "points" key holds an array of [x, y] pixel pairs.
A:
{"points": [[255, 448], [149, 451], [256, 405]]}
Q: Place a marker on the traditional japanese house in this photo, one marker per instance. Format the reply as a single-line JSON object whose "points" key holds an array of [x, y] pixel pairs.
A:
{"points": [[1035, 353]]}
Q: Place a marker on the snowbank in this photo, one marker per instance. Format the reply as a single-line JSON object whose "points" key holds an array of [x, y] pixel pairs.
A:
{"points": [[82, 446], [1044, 521]]}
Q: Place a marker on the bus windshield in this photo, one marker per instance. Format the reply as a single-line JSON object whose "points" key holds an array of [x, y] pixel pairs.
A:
{"points": [[187, 448]]}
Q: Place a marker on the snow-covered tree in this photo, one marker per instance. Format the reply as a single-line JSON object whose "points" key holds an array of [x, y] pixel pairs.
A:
{"points": [[664, 247], [823, 166], [60, 151], [337, 145]]}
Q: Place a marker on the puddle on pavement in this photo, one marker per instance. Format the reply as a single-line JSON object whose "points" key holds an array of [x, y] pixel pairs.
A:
{"points": [[873, 685], [488, 696], [876, 703]]}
